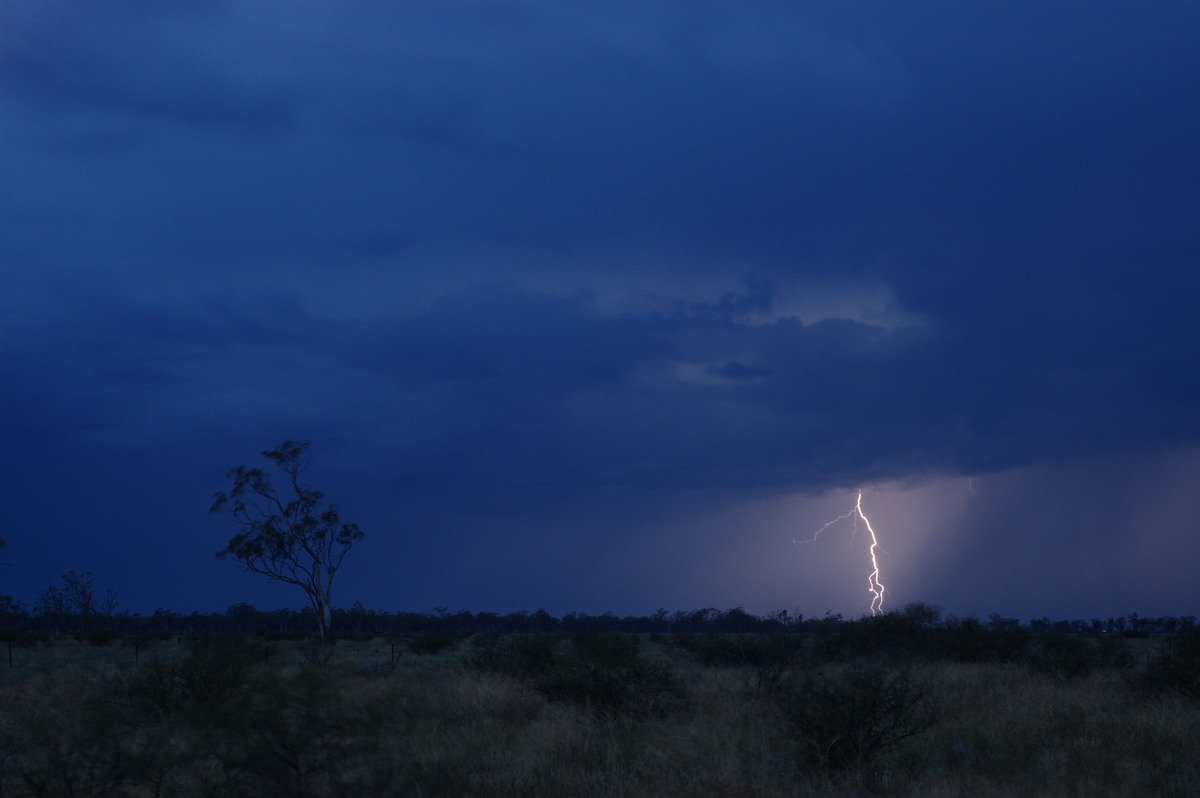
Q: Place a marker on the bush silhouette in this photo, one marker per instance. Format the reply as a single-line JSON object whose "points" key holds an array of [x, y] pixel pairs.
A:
{"points": [[99, 636], [710, 648], [1065, 655], [968, 640], [430, 643], [215, 670], [772, 656], [606, 674], [845, 718]]}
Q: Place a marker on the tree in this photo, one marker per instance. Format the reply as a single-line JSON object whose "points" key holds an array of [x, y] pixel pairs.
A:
{"points": [[52, 606], [288, 537], [81, 596], [11, 610], [77, 599]]}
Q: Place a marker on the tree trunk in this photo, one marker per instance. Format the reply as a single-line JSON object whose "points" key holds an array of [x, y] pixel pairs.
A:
{"points": [[324, 617]]}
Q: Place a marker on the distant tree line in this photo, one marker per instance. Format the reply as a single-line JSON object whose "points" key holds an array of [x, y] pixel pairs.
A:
{"points": [[77, 606]]}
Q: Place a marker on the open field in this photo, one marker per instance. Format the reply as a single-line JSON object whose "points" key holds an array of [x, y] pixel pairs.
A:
{"points": [[595, 715]]}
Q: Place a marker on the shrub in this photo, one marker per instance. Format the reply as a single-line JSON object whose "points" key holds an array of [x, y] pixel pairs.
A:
{"points": [[429, 643], [601, 672], [1112, 652], [534, 653], [1064, 655], [293, 635], [302, 733], [62, 741], [388, 665], [217, 667], [769, 655], [968, 640], [1177, 666], [97, 637], [215, 671], [516, 654], [317, 652], [710, 649], [489, 651], [846, 717], [640, 687], [156, 688], [147, 639], [609, 650], [33, 639], [772, 656]]}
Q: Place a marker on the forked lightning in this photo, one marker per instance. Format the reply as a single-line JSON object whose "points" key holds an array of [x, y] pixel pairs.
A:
{"points": [[874, 586]]}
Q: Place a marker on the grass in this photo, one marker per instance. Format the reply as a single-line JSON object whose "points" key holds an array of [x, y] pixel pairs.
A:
{"points": [[74, 721]]}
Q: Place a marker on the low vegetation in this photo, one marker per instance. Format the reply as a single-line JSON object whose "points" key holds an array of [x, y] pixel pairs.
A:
{"points": [[902, 705]]}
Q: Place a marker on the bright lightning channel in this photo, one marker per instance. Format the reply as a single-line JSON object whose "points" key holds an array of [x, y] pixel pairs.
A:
{"points": [[874, 586]]}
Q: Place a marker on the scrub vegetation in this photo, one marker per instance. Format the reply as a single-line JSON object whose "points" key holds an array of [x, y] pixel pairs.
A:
{"points": [[904, 704]]}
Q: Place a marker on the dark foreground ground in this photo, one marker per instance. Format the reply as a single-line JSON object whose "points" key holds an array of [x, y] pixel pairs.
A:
{"points": [[855, 711]]}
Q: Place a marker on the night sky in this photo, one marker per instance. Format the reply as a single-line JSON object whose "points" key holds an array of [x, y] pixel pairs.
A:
{"points": [[602, 305]]}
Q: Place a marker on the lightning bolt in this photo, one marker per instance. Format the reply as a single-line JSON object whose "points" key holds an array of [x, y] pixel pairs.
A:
{"points": [[874, 586]]}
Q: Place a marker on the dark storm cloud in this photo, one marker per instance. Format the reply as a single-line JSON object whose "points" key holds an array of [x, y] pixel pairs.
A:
{"points": [[696, 394]]}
